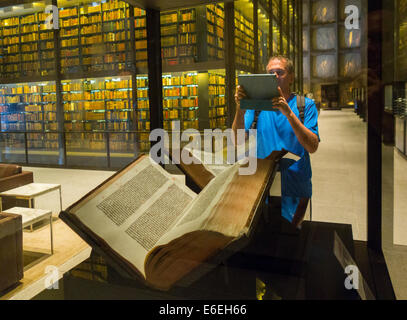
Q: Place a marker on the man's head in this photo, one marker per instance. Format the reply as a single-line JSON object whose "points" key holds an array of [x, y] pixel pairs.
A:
{"points": [[283, 68]]}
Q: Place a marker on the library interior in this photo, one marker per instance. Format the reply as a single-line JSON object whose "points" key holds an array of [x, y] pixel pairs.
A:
{"points": [[84, 83]]}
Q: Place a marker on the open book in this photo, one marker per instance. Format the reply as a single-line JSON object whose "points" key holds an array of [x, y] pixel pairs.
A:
{"points": [[149, 226]]}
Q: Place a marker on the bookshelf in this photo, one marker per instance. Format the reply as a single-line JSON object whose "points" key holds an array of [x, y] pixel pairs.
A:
{"points": [[30, 107], [217, 101], [180, 93], [26, 47], [244, 40], [95, 37], [215, 17], [178, 37], [140, 37], [94, 105]]}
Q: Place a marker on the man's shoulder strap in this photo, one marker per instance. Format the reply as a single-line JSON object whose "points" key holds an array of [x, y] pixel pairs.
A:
{"points": [[256, 118], [301, 106]]}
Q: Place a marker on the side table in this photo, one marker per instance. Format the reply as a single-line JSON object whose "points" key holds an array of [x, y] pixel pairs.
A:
{"points": [[30, 191], [31, 216]]}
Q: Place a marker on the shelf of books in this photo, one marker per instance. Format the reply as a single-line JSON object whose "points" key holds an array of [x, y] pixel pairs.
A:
{"points": [[31, 108], [180, 100], [92, 106], [141, 37], [143, 113], [26, 47], [244, 41], [178, 37], [217, 102], [95, 37], [215, 16]]}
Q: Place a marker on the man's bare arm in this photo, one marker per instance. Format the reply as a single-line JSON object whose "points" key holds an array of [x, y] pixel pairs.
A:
{"points": [[306, 137]]}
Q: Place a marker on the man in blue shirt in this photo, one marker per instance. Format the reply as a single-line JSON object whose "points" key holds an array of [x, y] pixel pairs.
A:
{"points": [[283, 129]]}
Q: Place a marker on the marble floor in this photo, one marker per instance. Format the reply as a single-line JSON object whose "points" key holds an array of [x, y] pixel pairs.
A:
{"points": [[339, 187]]}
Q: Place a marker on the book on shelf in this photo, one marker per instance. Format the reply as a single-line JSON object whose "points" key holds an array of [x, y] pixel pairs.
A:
{"points": [[149, 226]]}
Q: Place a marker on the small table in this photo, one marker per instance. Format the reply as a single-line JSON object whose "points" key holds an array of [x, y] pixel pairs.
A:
{"points": [[30, 191], [31, 216]]}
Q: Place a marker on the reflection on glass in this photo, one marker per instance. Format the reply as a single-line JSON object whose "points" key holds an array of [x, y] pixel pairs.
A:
{"points": [[305, 13], [324, 66], [350, 38], [402, 39], [324, 39], [306, 67], [215, 14], [351, 64], [244, 34], [276, 37], [323, 11], [305, 40], [263, 38]]}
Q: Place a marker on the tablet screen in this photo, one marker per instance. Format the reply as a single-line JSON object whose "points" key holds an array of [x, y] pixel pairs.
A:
{"points": [[259, 86]]}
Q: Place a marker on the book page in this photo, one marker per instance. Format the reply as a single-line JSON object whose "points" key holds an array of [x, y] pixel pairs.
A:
{"points": [[134, 211], [198, 211], [204, 156]]}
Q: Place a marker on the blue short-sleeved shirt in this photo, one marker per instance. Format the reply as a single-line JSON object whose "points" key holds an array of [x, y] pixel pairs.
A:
{"points": [[274, 132]]}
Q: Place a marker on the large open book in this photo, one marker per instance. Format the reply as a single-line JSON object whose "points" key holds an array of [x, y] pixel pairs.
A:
{"points": [[149, 226]]}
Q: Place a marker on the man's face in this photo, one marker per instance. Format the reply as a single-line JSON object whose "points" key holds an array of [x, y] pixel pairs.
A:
{"points": [[283, 77]]}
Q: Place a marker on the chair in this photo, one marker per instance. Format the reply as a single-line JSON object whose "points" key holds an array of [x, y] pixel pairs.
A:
{"points": [[12, 176]]}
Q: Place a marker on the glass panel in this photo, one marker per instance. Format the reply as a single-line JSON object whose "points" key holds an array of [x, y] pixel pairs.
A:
{"points": [[43, 148], [324, 66], [349, 38], [12, 147], [305, 13], [305, 40], [85, 149], [323, 11], [123, 148], [306, 67], [324, 39], [351, 64], [32, 107]]}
